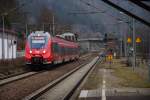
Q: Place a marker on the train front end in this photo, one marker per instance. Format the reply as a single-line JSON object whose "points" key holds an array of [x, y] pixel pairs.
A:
{"points": [[37, 50]]}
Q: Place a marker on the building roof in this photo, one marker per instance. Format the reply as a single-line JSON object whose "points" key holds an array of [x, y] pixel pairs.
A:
{"points": [[90, 39], [8, 31]]}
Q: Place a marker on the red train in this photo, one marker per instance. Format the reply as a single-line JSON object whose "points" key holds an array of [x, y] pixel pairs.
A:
{"points": [[42, 48]]}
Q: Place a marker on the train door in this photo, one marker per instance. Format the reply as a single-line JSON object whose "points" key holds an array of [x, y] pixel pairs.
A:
{"points": [[55, 51]]}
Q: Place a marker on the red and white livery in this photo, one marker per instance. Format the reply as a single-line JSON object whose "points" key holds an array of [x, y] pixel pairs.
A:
{"points": [[42, 48]]}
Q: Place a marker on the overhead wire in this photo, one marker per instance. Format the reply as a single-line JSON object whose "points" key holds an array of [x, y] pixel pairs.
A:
{"points": [[102, 11]]}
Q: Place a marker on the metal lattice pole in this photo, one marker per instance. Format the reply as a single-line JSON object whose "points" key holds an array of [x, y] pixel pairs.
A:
{"points": [[26, 30], [53, 25], [125, 44], [134, 45]]}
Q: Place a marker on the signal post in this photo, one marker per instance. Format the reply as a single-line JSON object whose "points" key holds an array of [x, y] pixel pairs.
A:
{"points": [[109, 59]]}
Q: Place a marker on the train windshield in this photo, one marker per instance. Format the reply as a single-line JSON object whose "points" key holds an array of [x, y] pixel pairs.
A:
{"points": [[38, 42]]}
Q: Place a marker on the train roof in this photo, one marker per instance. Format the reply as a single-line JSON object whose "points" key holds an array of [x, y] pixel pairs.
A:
{"points": [[39, 33], [12, 32], [66, 34], [64, 42], [59, 40]]}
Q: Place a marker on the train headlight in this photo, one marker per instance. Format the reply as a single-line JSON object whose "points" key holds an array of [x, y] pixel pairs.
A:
{"points": [[44, 51], [30, 51]]}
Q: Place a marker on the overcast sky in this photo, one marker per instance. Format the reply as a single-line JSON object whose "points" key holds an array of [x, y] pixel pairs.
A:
{"points": [[106, 21]]}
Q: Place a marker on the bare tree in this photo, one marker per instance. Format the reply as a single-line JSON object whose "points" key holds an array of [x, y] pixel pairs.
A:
{"points": [[45, 21], [14, 14]]}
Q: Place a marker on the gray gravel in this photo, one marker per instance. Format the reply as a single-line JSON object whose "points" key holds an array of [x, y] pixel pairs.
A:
{"points": [[21, 88]]}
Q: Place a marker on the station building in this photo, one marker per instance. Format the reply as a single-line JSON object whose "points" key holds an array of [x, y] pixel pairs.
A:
{"points": [[91, 44], [9, 47]]}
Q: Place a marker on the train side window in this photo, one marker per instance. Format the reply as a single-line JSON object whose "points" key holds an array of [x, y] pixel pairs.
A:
{"points": [[55, 48], [69, 50], [73, 51], [59, 49], [66, 49], [62, 50]]}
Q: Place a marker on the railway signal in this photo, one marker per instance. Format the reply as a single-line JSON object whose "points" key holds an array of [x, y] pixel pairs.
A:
{"points": [[110, 57], [129, 40], [138, 40]]}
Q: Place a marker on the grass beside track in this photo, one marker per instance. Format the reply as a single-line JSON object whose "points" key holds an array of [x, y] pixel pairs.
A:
{"points": [[129, 78], [119, 76], [94, 79]]}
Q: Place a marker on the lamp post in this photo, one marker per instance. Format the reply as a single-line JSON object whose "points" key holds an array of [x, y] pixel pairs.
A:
{"points": [[53, 25], [134, 42], [148, 71], [121, 40], [125, 39], [124, 35], [134, 45], [3, 19], [149, 61]]}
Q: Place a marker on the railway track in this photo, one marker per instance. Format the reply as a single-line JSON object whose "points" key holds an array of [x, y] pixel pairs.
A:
{"points": [[28, 79], [58, 86], [26, 75], [15, 78]]}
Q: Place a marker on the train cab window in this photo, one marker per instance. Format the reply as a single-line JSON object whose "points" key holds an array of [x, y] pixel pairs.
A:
{"points": [[38, 42]]}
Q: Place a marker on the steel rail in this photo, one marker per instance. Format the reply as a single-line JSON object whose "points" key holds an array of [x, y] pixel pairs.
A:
{"points": [[25, 75], [54, 83]]}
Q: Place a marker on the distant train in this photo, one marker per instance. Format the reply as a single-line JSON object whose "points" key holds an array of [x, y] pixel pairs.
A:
{"points": [[42, 48]]}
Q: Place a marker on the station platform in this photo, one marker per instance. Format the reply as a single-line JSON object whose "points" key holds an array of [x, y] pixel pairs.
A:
{"points": [[116, 94], [116, 81]]}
